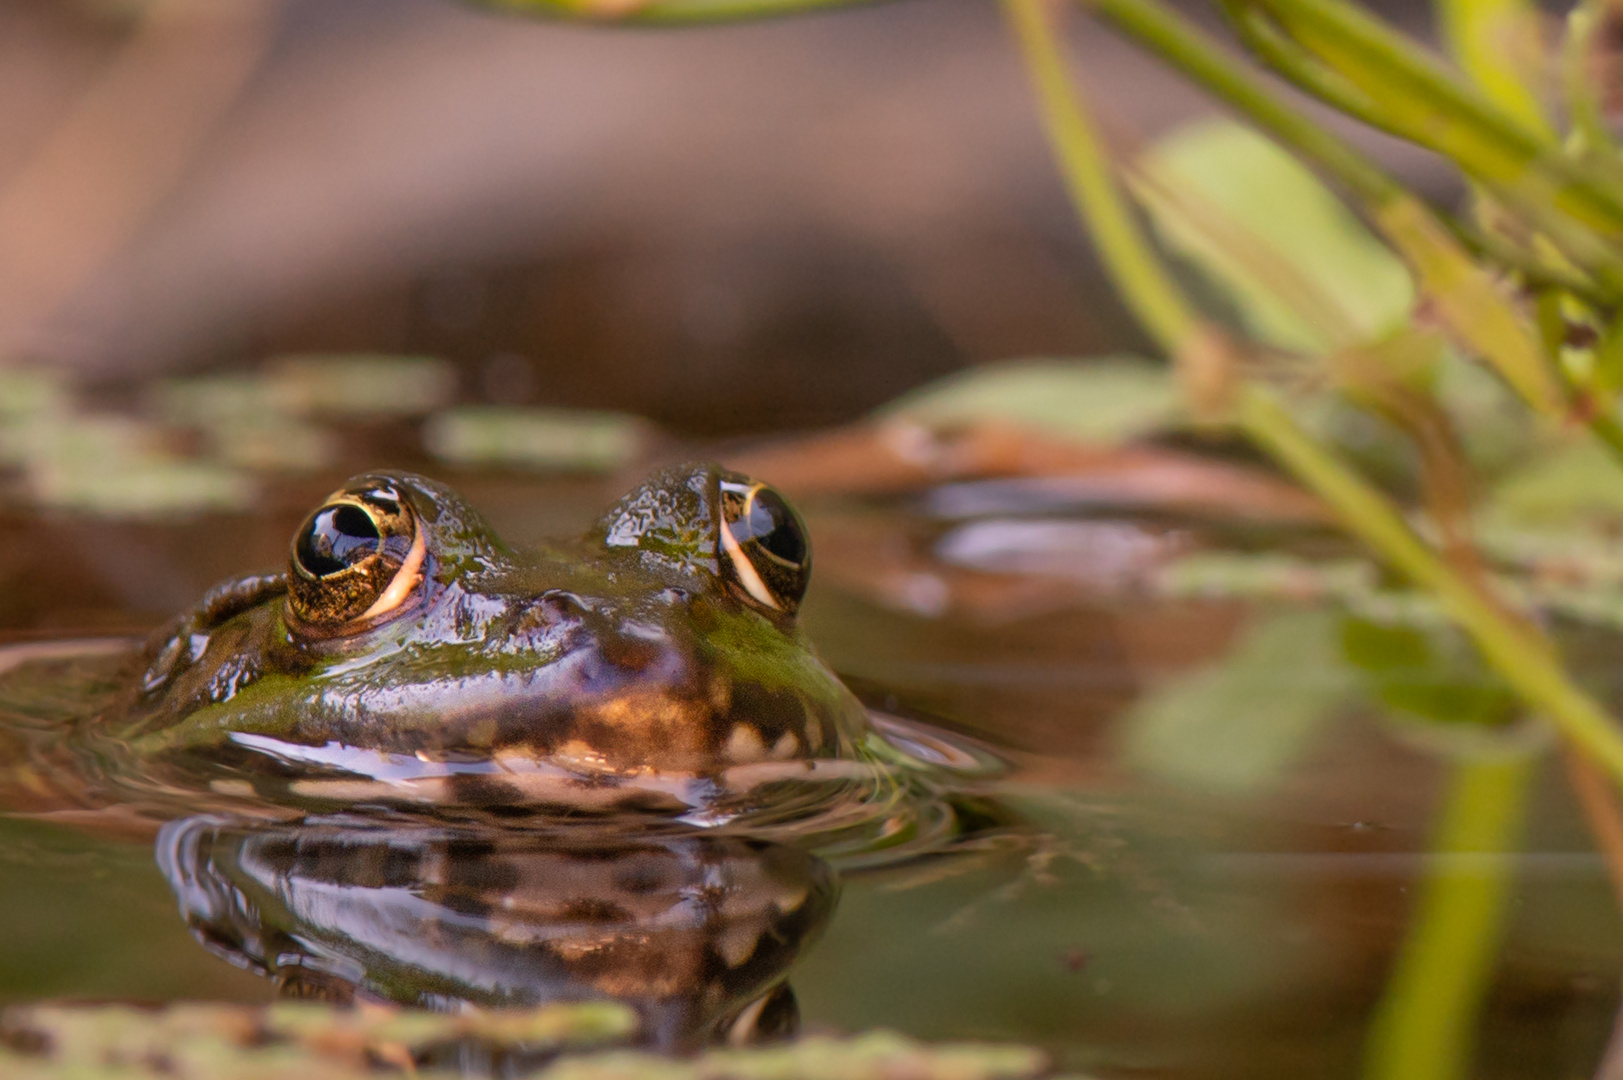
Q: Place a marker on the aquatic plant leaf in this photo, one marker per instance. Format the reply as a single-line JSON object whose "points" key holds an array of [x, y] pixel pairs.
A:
{"points": [[1427, 673], [1304, 273], [1102, 401], [1236, 725], [576, 440]]}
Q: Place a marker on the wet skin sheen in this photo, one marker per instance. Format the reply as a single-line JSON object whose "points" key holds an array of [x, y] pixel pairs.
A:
{"points": [[660, 649]]}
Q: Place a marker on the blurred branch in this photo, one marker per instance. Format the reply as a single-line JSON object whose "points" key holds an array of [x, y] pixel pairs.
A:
{"points": [[97, 177], [1586, 116], [1496, 43]]}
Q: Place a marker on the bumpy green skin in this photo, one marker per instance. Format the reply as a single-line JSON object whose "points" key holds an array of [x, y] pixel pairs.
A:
{"points": [[630, 649]]}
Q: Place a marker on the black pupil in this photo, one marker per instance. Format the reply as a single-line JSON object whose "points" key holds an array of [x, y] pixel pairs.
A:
{"points": [[772, 525], [337, 538]]}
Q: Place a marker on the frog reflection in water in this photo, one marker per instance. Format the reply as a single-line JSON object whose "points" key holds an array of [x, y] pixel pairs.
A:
{"points": [[408, 655], [693, 931]]}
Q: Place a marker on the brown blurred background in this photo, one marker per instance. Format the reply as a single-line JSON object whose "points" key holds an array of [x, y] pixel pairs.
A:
{"points": [[733, 229]]}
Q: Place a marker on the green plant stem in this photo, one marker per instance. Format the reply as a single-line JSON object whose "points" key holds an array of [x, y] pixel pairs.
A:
{"points": [[1263, 37], [1589, 134], [1168, 35], [1523, 657], [1466, 296], [1425, 1025], [1147, 288]]}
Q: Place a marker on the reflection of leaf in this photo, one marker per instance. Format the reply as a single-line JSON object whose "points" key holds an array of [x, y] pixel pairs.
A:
{"points": [[1303, 271], [1107, 400], [1236, 725], [1429, 673]]}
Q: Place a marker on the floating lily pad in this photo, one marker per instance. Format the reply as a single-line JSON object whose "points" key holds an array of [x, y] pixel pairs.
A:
{"points": [[114, 466], [363, 386], [576, 440], [1103, 401], [236, 415]]}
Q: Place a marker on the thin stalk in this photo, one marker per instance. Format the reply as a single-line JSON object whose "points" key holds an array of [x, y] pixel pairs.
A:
{"points": [[1425, 1025], [1263, 37], [1586, 118], [1167, 34], [1523, 657], [1144, 283]]}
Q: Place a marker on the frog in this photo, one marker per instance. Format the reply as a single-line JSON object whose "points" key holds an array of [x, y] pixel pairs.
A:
{"points": [[694, 931], [409, 655]]}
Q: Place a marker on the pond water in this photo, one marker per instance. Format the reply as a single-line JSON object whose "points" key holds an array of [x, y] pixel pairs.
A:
{"points": [[1236, 909]]}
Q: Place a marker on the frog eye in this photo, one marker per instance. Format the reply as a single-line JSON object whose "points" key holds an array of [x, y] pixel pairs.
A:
{"points": [[357, 557], [764, 545]]}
